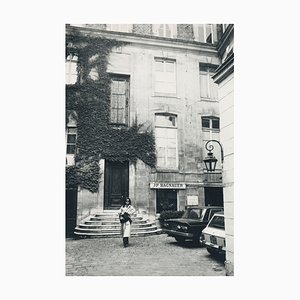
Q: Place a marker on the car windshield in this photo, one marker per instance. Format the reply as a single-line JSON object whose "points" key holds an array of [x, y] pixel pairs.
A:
{"points": [[194, 213], [217, 222]]}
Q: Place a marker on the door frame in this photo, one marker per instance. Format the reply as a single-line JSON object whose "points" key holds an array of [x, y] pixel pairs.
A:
{"points": [[109, 166]]}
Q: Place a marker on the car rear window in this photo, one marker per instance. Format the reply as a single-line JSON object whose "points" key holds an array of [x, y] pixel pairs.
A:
{"points": [[217, 222], [194, 213]]}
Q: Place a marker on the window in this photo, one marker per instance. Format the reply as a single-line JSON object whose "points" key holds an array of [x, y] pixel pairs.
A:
{"points": [[119, 100], [217, 222], [166, 141], [204, 33], [71, 140], [213, 211], [166, 200], [119, 27], [165, 76], [211, 122], [205, 122], [71, 69], [165, 30], [208, 89]]}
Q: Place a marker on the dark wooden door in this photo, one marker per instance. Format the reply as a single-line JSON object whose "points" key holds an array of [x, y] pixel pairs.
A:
{"points": [[116, 184], [71, 211]]}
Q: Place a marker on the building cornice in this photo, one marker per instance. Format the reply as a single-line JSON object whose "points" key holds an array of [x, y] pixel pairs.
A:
{"points": [[223, 42], [134, 38], [225, 69]]}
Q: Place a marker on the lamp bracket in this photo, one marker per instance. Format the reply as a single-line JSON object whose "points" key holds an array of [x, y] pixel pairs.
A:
{"points": [[209, 147]]}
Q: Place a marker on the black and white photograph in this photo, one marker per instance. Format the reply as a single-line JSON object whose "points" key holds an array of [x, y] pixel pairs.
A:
{"points": [[149, 149]]}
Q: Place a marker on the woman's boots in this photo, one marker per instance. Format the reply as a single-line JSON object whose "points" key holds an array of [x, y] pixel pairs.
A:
{"points": [[125, 241]]}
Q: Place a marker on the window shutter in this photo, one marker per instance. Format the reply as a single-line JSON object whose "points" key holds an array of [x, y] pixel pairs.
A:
{"points": [[119, 100]]}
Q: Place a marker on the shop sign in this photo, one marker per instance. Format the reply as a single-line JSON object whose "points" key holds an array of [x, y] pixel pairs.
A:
{"points": [[167, 185], [192, 200]]}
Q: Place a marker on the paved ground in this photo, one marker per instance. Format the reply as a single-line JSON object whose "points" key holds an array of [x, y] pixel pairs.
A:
{"points": [[157, 255]]}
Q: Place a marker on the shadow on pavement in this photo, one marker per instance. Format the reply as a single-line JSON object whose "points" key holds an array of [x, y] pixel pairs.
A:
{"points": [[186, 244]]}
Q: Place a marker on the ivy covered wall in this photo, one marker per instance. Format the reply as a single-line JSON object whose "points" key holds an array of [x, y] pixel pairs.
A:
{"points": [[89, 97]]}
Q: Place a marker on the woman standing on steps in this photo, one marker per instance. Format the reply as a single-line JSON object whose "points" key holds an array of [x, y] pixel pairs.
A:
{"points": [[125, 213]]}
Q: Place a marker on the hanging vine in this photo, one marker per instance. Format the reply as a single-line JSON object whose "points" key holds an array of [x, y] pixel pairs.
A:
{"points": [[90, 99]]}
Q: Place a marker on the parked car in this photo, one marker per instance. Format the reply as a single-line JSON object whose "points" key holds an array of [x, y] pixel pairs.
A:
{"points": [[191, 224], [213, 236]]}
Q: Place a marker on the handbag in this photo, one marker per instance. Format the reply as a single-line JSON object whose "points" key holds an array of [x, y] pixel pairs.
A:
{"points": [[124, 218]]}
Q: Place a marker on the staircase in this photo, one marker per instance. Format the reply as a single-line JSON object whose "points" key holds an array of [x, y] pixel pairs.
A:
{"points": [[107, 224]]}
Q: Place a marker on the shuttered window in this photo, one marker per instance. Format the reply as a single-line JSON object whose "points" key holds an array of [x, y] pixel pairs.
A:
{"points": [[119, 100]]}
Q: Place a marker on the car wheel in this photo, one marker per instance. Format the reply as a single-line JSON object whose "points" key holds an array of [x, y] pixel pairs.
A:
{"points": [[180, 239]]}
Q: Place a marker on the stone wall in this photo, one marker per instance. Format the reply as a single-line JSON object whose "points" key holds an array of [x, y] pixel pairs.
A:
{"points": [[141, 186], [138, 62], [227, 132], [87, 204]]}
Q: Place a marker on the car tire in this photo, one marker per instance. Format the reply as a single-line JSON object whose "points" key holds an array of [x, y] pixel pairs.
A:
{"points": [[180, 239]]}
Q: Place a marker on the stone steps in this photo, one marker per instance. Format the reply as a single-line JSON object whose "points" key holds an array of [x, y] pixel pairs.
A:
{"points": [[114, 220], [118, 235], [107, 224], [113, 230], [112, 226]]}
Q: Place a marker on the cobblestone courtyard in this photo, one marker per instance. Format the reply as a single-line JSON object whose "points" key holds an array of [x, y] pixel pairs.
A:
{"points": [[157, 255]]}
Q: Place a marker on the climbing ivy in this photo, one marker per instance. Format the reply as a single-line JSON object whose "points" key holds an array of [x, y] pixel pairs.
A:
{"points": [[90, 99]]}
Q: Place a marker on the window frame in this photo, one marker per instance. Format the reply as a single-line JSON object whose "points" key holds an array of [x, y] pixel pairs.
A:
{"points": [[158, 74], [172, 27], [202, 27], [207, 71], [211, 119], [126, 78], [71, 61], [175, 128], [71, 143]]}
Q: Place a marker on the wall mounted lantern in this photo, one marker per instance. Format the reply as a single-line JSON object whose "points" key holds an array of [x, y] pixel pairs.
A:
{"points": [[210, 161]]}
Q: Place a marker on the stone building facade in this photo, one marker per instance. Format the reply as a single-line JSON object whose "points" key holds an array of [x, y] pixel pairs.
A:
{"points": [[165, 73], [224, 77]]}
